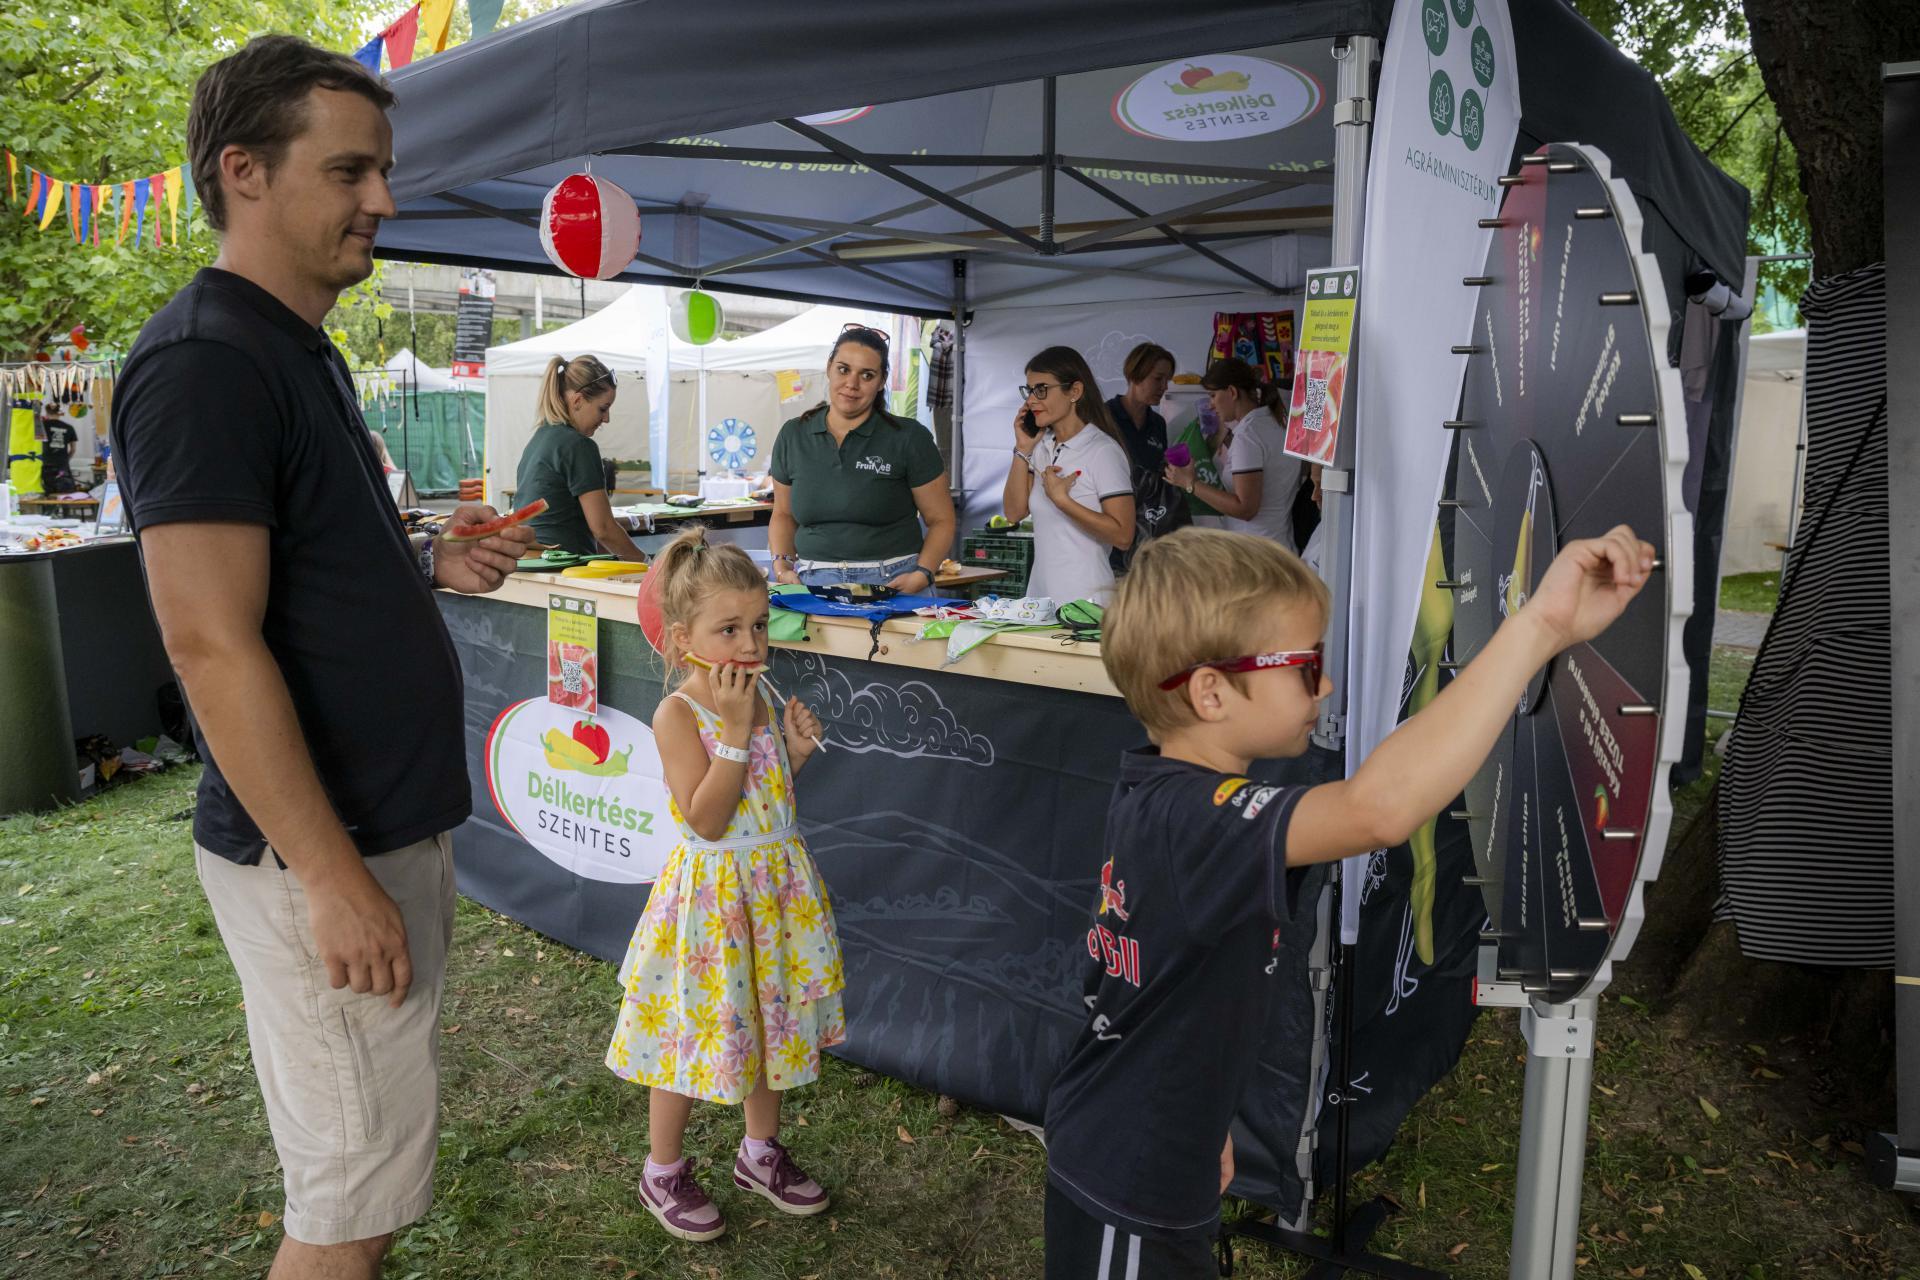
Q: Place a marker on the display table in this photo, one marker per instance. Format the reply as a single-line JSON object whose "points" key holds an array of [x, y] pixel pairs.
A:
{"points": [[957, 817], [62, 508], [82, 657]]}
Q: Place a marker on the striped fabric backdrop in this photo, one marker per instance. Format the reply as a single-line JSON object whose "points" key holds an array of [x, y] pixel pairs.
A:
{"points": [[1806, 801]]}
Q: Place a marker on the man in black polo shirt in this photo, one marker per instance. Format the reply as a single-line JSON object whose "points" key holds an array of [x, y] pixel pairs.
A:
{"points": [[302, 622]]}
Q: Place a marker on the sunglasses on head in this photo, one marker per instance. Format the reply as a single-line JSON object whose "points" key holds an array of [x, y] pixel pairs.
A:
{"points": [[1309, 661], [604, 380], [854, 326]]}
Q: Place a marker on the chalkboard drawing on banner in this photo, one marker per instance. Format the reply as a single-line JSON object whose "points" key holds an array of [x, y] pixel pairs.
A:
{"points": [[588, 794], [1320, 378], [573, 654], [1264, 339]]}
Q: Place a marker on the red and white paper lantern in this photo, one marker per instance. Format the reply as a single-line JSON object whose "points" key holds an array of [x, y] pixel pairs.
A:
{"points": [[589, 227]]}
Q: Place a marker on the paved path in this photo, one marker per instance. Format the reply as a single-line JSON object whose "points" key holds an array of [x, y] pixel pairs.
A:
{"points": [[1740, 630]]}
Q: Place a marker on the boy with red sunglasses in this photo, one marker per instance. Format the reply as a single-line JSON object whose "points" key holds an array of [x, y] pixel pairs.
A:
{"points": [[1198, 856]]}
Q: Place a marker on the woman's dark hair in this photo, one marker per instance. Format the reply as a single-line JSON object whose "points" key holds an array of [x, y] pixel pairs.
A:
{"points": [[1067, 366], [873, 340], [257, 99], [1238, 374], [1142, 359]]}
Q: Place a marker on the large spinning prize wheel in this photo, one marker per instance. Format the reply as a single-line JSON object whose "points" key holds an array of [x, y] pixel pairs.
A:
{"points": [[1570, 422], [731, 444]]}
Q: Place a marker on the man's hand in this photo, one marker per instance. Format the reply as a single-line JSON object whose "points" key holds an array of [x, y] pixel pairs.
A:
{"points": [[360, 935], [476, 568]]}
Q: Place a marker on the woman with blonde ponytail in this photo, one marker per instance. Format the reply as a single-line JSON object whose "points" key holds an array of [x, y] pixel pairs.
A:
{"points": [[1263, 477], [561, 463]]}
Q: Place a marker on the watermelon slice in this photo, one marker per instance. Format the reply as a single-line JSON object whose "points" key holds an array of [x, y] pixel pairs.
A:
{"points": [[474, 533]]}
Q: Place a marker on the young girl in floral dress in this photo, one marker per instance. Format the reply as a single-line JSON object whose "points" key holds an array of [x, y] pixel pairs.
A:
{"points": [[732, 981]]}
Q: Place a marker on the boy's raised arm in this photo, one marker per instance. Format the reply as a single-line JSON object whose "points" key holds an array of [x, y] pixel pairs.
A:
{"points": [[1429, 760]]}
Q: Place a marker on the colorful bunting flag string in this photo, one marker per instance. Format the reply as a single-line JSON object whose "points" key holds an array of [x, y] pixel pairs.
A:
{"points": [[89, 207]]}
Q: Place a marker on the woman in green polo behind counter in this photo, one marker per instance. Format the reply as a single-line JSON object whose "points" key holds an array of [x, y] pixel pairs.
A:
{"points": [[561, 463], [859, 495]]}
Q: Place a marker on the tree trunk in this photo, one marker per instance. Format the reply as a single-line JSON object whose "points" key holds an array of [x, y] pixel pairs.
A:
{"points": [[1821, 63]]}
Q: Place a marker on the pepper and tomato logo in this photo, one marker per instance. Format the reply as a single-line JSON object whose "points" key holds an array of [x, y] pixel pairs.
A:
{"points": [[588, 749]]}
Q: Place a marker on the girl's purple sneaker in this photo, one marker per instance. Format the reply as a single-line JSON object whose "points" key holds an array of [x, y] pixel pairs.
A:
{"points": [[776, 1177], [679, 1205]]}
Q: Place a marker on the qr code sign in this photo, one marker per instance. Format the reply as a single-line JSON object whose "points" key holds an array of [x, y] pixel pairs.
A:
{"points": [[572, 675], [1314, 416]]}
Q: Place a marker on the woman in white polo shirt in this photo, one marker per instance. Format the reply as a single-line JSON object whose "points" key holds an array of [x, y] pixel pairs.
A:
{"points": [[1263, 477], [1071, 472]]}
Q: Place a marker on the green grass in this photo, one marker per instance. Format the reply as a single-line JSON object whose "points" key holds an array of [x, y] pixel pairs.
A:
{"points": [[1750, 592], [136, 1144]]}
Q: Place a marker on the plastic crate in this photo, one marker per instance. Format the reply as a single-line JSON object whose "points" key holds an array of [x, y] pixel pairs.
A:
{"points": [[997, 550], [1014, 585]]}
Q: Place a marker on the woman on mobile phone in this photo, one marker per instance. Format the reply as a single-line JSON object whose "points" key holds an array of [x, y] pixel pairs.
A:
{"points": [[1069, 471]]}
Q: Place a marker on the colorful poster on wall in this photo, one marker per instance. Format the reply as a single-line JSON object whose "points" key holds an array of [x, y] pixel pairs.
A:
{"points": [[573, 654], [588, 794], [1320, 380], [1264, 339], [473, 324]]}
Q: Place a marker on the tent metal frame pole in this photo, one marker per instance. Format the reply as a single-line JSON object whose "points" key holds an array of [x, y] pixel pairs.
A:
{"points": [[1164, 220], [958, 435], [1178, 237], [1050, 162], [749, 229], [825, 230], [1135, 241], [910, 182], [1290, 178]]}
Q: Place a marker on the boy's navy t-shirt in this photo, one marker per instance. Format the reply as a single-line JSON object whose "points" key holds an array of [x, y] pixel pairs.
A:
{"points": [[1182, 947]]}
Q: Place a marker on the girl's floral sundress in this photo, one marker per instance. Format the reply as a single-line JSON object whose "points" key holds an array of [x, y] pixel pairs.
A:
{"points": [[734, 962]]}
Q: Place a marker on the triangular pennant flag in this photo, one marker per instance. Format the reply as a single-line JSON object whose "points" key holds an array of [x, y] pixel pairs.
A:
{"points": [[173, 203], [102, 197], [13, 167], [436, 19], [186, 196], [34, 178], [485, 15], [55, 189], [368, 54], [157, 184], [400, 38], [83, 230], [76, 193], [126, 212], [140, 193]]}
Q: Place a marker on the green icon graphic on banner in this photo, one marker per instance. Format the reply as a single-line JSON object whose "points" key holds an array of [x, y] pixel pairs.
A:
{"points": [[1433, 24], [1440, 103], [1482, 45], [1473, 120], [1463, 11]]}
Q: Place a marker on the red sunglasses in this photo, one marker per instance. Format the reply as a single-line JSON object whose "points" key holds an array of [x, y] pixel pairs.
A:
{"points": [[1309, 661]]}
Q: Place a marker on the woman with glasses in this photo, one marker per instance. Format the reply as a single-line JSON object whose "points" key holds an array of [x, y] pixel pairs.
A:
{"points": [[561, 463], [859, 495], [1069, 471]]}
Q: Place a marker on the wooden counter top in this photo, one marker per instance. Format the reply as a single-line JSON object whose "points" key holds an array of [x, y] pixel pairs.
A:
{"points": [[1031, 657]]}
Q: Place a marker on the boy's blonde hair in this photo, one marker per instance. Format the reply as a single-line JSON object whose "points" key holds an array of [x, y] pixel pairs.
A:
{"points": [[691, 570], [1196, 595]]}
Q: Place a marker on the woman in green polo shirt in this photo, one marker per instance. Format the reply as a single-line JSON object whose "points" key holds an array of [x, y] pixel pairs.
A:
{"points": [[561, 463], [859, 495]]}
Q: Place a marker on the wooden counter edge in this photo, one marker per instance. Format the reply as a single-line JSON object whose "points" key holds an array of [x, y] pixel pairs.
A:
{"points": [[1032, 657]]}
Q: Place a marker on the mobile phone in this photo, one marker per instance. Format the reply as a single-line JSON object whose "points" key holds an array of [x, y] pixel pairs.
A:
{"points": [[1027, 424]]}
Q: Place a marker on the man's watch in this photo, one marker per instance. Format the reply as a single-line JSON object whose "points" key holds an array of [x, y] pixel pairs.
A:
{"points": [[931, 575]]}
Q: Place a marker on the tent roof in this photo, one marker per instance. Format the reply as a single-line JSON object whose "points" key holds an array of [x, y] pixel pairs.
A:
{"points": [[617, 334], [425, 377], [856, 158]]}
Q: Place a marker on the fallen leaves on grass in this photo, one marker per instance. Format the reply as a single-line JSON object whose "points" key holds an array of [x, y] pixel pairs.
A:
{"points": [[904, 1135], [1713, 1112]]}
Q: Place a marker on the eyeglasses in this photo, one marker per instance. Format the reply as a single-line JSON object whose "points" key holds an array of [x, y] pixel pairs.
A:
{"points": [[854, 326], [1309, 661], [1039, 390]]}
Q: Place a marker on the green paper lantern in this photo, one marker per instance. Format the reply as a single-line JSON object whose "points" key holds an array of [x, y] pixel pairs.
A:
{"points": [[698, 317]]}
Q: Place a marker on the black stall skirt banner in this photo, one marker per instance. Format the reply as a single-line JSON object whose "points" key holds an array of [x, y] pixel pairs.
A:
{"points": [[959, 825]]}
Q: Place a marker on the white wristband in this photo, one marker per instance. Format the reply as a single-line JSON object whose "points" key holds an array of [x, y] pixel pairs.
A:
{"points": [[739, 755], [1024, 457]]}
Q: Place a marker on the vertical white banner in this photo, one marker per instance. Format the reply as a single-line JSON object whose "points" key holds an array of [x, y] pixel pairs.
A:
{"points": [[1444, 129], [659, 364]]}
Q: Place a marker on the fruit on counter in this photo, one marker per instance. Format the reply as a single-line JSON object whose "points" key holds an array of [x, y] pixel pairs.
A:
{"points": [[474, 533], [999, 522], [1187, 379], [594, 738], [949, 566]]}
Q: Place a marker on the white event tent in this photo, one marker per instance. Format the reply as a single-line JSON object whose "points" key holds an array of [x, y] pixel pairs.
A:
{"points": [[744, 380]]}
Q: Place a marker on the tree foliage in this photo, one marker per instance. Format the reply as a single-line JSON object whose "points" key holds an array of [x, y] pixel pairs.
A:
{"points": [[98, 92], [1700, 53]]}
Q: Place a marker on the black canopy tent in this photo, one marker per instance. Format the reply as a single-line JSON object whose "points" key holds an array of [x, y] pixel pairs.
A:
{"points": [[937, 161]]}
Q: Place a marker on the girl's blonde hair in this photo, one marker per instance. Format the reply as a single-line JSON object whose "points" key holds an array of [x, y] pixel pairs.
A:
{"points": [[691, 570], [584, 374]]}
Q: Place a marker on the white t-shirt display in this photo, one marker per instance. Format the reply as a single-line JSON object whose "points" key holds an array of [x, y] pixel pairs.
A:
{"points": [[1259, 444], [1068, 563]]}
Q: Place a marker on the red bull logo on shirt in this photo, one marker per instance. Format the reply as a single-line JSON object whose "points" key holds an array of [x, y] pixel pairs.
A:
{"points": [[1120, 955], [1113, 897]]}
